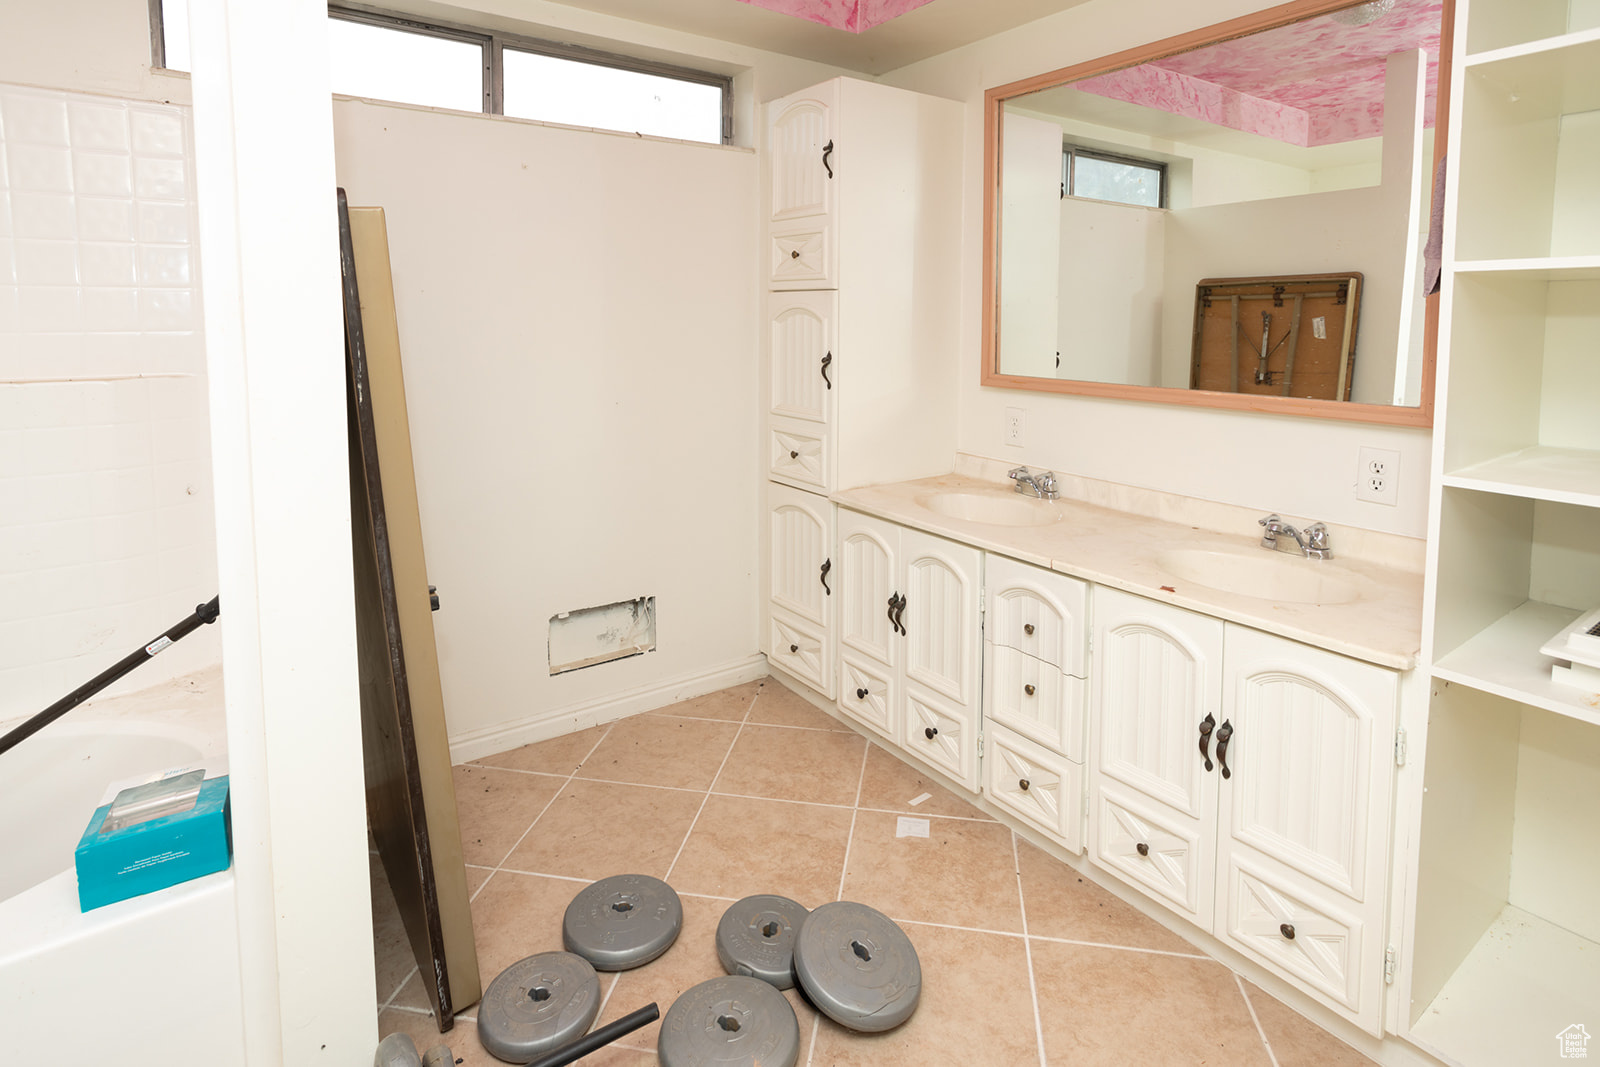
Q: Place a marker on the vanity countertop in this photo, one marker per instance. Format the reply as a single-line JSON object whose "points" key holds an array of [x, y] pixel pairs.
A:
{"points": [[1122, 549]]}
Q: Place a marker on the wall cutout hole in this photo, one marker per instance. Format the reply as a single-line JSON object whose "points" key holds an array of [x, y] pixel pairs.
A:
{"points": [[591, 636]]}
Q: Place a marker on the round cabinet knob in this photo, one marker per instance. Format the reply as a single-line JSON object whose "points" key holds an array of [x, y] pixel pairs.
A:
{"points": [[1144, 849], [1028, 689], [794, 254], [861, 694], [1027, 628], [1287, 931], [1022, 784], [794, 648], [930, 732]]}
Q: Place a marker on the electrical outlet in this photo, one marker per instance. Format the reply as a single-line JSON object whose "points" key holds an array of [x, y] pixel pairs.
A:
{"points": [[1378, 476], [1016, 426]]}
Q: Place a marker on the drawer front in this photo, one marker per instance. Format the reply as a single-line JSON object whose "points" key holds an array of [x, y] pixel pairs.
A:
{"points": [[1034, 784], [801, 255], [940, 735], [1038, 612], [1037, 701], [1154, 849], [868, 694], [799, 648], [797, 453]]}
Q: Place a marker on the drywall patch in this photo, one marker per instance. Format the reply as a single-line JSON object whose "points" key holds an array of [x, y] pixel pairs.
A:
{"points": [[588, 636]]}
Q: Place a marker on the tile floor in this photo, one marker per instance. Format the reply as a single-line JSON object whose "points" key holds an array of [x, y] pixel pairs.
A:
{"points": [[753, 790]]}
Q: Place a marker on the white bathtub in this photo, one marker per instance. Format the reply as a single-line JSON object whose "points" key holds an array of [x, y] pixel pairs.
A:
{"points": [[149, 981]]}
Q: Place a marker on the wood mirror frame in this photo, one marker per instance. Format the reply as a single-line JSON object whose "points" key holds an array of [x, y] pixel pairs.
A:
{"points": [[1267, 19]]}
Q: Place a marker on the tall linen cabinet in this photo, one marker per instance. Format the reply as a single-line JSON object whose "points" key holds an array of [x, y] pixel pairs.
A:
{"points": [[1500, 812], [862, 276]]}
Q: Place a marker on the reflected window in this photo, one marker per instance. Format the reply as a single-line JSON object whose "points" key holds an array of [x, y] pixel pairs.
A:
{"points": [[1120, 179]]}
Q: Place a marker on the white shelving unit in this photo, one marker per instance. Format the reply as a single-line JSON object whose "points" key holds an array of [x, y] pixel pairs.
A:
{"points": [[1502, 940]]}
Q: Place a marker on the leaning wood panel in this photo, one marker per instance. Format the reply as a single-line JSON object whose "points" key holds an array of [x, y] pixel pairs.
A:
{"points": [[1291, 336]]}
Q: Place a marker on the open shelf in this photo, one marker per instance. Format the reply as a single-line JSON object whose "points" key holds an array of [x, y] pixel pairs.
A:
{"points": [[1502, 25], [1504, 659], [1525, 970], [1560, 56], [1540, 472], [1538, 268]]}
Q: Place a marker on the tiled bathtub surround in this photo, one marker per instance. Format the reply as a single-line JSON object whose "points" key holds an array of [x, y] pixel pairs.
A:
{"points": [[753, 790], [106, 531]]}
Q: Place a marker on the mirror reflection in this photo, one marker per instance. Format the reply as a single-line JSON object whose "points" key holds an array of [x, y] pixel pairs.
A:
{"points": [[1303, 150]]}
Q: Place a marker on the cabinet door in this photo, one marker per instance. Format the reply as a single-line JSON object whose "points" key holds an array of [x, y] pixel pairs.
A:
{"points": [[939, 623], [803, 335], [800, 552], [799, 133], [868, 556], [1037, 612], [941, 735], [1036, 700], [1036, 784]]}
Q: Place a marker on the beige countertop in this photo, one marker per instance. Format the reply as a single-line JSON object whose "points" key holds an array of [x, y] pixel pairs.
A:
{"points": [[1123, 549]]}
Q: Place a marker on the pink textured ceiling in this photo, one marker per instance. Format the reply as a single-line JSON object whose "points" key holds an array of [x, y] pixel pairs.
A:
{"points": [[857, 16], [1312, 83]]}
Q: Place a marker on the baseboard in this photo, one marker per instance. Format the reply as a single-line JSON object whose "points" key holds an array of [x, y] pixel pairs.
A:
{"points": [[475, 744]]}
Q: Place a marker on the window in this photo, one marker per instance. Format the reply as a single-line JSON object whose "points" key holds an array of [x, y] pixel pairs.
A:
{"points": [[388, 57], [1098, 175]]}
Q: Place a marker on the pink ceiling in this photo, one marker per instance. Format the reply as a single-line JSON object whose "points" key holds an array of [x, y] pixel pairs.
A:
{"points": [[1311, 83], [857, 16]]}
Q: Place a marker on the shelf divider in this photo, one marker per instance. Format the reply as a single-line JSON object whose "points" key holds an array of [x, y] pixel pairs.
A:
{"points": [[1504, 659], [1539, 472]]}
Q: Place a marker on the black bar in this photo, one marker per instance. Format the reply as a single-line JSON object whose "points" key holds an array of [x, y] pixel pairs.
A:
{"points": [[203, 614], [600, 1038]]}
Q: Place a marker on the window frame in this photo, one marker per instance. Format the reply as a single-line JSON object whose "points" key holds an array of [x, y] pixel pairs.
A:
{"points": [[494, 45], [1070, 152]]}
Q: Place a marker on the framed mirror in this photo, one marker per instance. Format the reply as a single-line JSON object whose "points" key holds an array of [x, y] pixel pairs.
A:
{"points": [[1297, 141]]}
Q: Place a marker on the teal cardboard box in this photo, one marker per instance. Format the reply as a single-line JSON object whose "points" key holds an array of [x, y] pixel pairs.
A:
{"points": [[154, 836]]}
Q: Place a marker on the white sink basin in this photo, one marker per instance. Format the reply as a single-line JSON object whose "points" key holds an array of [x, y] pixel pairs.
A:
{"points": [[993, 509], [1266, 575]]}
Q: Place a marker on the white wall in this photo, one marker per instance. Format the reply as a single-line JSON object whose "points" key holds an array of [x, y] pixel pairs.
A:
{"points": [[578, 332], [1303, 468], [1111, 302]]}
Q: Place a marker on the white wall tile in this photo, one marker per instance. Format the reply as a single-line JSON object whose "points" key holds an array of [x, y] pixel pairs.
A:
{"points": [[163, 223], [158, 132], [106, 263], [8, 271], [167, 309], [39, 168], [35, 117], [105, 355], [46, 215], [105, 220], [158, 179], [101, 126], [45, 262], [5, 204], [102, 174], [110, 310], [164, 265], [61, 497], [47, 309]]}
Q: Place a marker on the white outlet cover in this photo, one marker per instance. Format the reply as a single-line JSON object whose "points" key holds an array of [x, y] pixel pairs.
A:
{"points": [[1014, 429], [1378, 476]]}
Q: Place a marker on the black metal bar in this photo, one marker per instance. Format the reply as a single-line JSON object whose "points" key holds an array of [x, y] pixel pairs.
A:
{"points": [[203, 614], [600, 1038]]}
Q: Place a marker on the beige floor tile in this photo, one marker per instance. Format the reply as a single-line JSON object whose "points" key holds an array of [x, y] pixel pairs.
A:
{"points": [[890, 785], [780, 706], [559, 755], [1297, 1041], [1106, 1006], [1063, 903], [729, 705], [975, 1009], [961, 874], [813, 766], [476, 876], [740, 847], [462, 1037], [596, 829], [662, 750], [496, 807]]}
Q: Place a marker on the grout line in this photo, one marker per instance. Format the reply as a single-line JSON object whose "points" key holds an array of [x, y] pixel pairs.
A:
{"points": [[705, 799], [930, 815], [553, 798], [964, 929], [1239, 981], [607, 998], [415, 970], [811, 1048], [855, 813], [1126, 948], [1027, 949], [775, 725]]}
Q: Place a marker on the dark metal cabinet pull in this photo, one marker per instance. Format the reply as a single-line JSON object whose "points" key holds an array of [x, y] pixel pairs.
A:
{"points": [[1027, 628], [827, 565], [861, 694], [1224, 732], [930, 732], [897, 605], [1287, 931], [1022, 784], [793, 454], [433, 598], [827, 150], [1206, 726], [894, 602], [794, 253], [1028, 689], [794, 648], [826, 360], [1144, 849]]}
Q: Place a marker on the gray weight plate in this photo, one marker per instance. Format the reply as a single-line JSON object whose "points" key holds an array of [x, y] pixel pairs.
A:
{"points": [[732, 1021], [623, 921], [755, 938], [397, 1050], [537, 1005], [857, 967]]}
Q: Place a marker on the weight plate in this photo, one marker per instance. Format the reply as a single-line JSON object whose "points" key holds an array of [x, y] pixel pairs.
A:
{"points": [[397, 1050], [622, 922], [732, 1021], [756, 938], [537, 1005], [857, 967]]}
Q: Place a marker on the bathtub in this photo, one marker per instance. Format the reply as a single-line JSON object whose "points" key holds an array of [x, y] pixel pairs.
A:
{"points": [[153, 980]]}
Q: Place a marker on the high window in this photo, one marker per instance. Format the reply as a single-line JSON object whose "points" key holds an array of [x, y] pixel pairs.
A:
{"points": [[1097, 175]]}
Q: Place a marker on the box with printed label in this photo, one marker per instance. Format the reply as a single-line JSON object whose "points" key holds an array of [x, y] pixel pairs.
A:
{"points": [[153, 836]]}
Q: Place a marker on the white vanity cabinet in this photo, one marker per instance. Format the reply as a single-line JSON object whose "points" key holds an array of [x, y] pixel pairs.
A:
{"points": [[1245, 781], [801, 585], [909, 640], [1035, 695]]}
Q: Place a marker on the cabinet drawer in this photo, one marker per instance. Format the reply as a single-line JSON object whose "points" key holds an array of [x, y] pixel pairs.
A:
{"points": [[941, 736], [867, 694], [1035, 784], [801, 255], [797, 453], [1037, 701], [799, 648], [1038, 613], [1154, 849]]}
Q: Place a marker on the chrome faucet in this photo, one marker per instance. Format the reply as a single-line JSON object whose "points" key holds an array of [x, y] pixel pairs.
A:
{"points": [[1313, 545], [1041, 483]]}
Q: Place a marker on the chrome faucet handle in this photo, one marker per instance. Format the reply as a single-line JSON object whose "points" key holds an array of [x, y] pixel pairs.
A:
{"points": [[1017, 472], [1269, 536], [1046, 484], [1317, 542]]}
